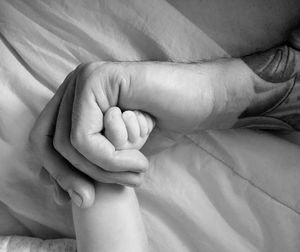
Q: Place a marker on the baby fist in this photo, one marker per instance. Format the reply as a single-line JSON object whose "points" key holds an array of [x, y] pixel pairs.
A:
{"points": [[128, 129]]}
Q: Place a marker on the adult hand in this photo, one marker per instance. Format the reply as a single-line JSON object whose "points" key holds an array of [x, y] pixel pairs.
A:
{"points": [[180, 97], [51, 131], [69, 131], [177, 96]]}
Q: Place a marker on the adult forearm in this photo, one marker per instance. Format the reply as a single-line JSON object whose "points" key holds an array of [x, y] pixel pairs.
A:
{"points": [[233, 85], [256, 91], [186, 97]]}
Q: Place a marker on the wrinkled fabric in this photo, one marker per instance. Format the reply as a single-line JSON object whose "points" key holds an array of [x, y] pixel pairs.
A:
{"points": [[235, 190], [30, 244]]}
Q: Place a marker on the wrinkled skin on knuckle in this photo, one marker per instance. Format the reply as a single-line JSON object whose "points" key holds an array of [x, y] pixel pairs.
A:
{"points": [[56, 144], [87, 70], [60, 146], [114, 78], [103, 80], [77, 139]]}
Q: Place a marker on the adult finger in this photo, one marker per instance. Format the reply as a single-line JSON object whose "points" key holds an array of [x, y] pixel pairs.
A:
{"points": [[61, 197], [41, 138]]}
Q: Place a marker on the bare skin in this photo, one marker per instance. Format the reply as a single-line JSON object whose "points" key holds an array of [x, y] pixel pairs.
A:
{"points": [[114, 222], [256, 91]]}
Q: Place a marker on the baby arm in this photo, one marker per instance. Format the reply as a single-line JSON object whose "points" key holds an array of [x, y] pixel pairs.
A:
{"points": [[114, 222]]}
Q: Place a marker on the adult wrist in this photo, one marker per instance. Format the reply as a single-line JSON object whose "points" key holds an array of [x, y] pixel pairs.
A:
{"points": [[232, 83]]}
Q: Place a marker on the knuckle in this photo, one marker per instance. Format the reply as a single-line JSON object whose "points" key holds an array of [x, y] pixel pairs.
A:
{"points": [[85, 70], [58, 144], [77, 138], [61, 146]]}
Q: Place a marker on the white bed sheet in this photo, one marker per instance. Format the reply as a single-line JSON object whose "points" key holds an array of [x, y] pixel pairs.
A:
{"points": [[225, 191]]}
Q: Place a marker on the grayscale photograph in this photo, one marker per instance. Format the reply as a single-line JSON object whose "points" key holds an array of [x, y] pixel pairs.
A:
{"points": [[149, 125]]}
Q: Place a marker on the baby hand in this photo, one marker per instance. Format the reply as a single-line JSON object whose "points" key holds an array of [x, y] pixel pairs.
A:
{"points": [[127, 130]]}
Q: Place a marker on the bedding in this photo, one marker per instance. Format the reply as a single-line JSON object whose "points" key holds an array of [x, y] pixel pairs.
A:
{"points": [[235, 190]]}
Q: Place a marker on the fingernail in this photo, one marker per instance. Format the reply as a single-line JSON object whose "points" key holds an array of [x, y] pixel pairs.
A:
{"points": [[76, 198]]}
